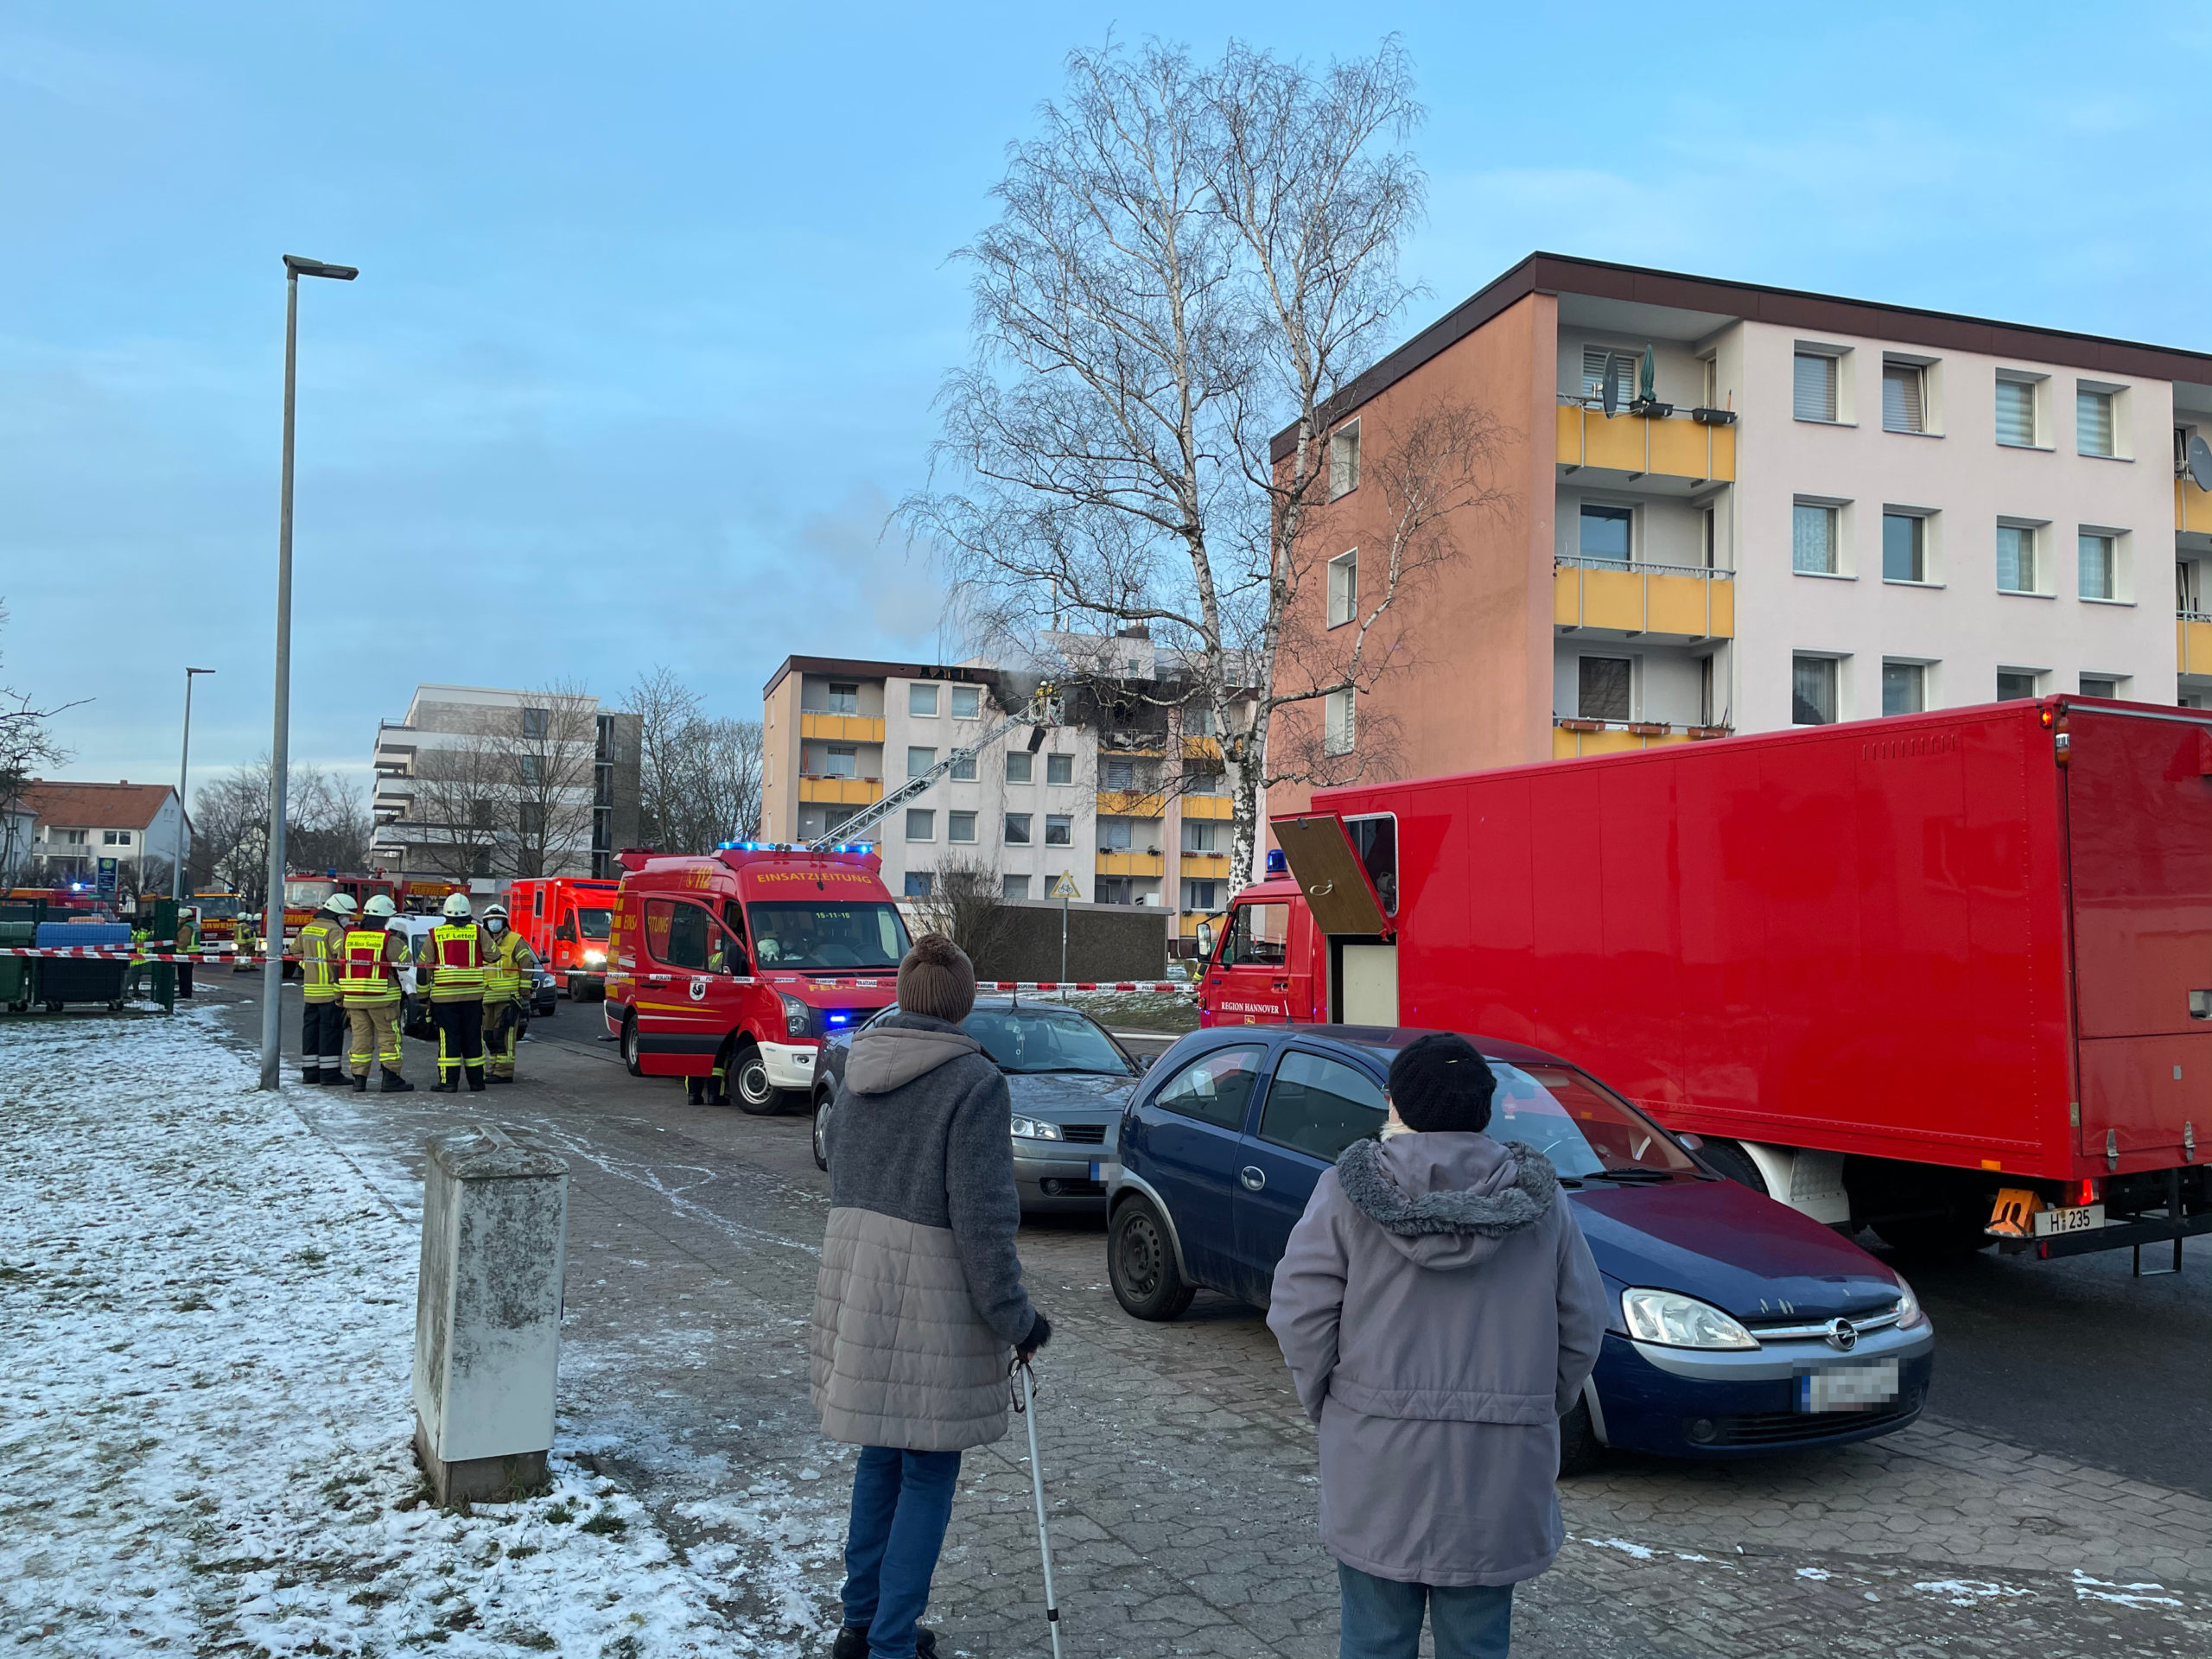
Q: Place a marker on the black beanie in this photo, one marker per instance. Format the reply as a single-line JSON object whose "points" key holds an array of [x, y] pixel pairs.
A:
{"points": [[937, 979], [1441, 1084]]}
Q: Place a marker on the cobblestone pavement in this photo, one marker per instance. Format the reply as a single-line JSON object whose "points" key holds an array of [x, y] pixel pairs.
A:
{"points": [[1181, 1473]]}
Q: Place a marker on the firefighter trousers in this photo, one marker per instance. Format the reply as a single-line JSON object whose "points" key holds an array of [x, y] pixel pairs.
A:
{"points": [[501, 1022], [376, 1035], [322, 1040], [461, 1041]]}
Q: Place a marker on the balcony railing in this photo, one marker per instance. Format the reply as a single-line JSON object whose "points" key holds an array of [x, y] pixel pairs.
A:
{"points": [[2192, 507], [1131, 803], [1221, 807], [1671, 446], [840, 728], [1130, 863], [840, 791], [1573, 737], [2193, 642], [1692, 601]]}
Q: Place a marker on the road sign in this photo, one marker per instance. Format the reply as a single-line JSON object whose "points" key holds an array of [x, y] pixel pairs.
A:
{"points": [[1065, 887], [107, 874]]}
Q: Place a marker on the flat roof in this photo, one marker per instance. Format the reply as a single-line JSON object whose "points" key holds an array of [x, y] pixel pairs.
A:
{"points": [[1559, 273], [862, 669]]}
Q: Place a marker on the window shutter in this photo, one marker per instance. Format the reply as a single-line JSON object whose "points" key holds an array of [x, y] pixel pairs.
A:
{"points": [[1814, 389], [2016, 413], [1901, 410]]}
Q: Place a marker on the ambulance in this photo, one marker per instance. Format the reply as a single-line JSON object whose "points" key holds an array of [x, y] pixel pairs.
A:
{"points": [[565, 920]]}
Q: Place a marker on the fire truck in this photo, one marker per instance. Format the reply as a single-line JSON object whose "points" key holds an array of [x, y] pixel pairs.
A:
{"points": [[305, 895], [565, 921], [219, 914], [1947, 976]]}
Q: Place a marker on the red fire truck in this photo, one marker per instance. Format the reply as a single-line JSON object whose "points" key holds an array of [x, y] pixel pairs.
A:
{"points": [[727, 970], [1939, 975], [565, 921]]}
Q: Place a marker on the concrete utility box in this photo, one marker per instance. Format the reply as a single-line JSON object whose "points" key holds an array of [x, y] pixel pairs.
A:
{"points": [[488, 1313]]}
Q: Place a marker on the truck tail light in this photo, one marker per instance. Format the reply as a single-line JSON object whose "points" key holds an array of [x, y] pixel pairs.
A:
{"points": [[2087, 1194]]}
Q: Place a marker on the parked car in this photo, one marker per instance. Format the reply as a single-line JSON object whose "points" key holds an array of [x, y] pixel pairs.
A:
{"points": [[1070, 1081], [544, 991], [1736, 1326]]}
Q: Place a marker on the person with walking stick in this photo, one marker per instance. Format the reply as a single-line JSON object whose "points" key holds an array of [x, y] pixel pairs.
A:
{"points": [[920, 1299]]}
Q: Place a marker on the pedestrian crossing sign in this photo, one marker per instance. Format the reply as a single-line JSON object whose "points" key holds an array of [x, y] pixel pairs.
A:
{"points": [[1065, 887]]}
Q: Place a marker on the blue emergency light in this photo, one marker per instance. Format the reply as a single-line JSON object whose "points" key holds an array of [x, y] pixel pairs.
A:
{"points": [[838, 1017], [1277, 865]]}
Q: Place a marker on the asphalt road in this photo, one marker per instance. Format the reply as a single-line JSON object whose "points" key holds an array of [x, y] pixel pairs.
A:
{"points": [[2075, 1357]]}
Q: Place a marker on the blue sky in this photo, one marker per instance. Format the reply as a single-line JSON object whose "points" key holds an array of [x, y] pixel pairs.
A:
{"points": [[654, 300]]}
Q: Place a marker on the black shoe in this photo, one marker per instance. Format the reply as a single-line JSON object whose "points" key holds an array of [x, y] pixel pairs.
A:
{"points": [[852, 1643], [334, 1074], [498, 1079], [311, 1075], [395, 1084], [475, 1079], [360, 1082], [446, 1086]]}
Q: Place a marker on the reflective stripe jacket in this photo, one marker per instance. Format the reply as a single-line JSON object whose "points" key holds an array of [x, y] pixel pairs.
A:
{"points": [[455, 955], [319, 948], [507, 962], [370, 971]]}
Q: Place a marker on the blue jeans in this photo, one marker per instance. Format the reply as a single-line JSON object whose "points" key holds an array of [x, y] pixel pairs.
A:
{"points": [[901, 1504], [1380, 1618]]}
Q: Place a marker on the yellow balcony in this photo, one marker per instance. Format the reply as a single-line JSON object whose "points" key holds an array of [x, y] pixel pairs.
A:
{"points": [[1673, 447], [1213, 865], [1687, 600], [1131, 803], [2192, 507], [1573, 739], [1131, 864], [1187, 925], [1202, 748], [841, 729], [1198, 806], [842, 791], [2193, 644]]}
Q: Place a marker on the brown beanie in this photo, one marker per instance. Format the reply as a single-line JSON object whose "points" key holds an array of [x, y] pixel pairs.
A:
{"points": [[937, 979]]}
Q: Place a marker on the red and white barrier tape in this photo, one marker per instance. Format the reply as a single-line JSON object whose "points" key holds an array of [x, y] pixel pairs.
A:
{"points": [[126, 953], [1148, 985]]}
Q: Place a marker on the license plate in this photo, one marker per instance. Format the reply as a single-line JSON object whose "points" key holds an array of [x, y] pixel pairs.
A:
{"points": [[1849, 1388], [1095, 1167], [2085, 1219]]}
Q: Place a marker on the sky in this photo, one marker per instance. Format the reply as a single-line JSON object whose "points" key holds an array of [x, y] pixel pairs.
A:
{"points": [[655, 300]]}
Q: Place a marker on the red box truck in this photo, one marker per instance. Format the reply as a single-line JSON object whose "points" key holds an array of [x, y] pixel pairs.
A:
{"points": [[565, 920], [1935, 974]]}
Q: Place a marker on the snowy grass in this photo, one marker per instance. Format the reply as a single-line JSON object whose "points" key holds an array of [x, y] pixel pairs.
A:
{"points": [[204, 1406]]}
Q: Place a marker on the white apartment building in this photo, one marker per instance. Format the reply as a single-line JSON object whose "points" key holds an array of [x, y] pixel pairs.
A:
{"points": [[74, 826]]}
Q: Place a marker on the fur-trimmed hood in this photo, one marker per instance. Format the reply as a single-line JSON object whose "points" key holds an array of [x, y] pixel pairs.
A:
{"points": [[1445, 1201]]}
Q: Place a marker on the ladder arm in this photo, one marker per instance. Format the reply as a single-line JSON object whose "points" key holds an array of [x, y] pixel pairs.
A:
{"points": [[1040, 711]]}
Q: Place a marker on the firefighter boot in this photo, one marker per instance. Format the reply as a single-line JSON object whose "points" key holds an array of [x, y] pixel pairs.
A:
{"points": [[476, 1078], [310, 1075], [360, 1082], [395, 1084], [448, 1084]]}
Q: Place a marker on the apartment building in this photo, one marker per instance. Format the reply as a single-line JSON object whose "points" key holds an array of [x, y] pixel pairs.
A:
{"points": [[1117, 798], [74, 826], [1731, 508]]}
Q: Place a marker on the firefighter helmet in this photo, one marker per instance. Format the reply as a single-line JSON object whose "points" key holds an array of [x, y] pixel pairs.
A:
{"points": [[457, 906], [490, 910], [340, 904], [379, 905]]}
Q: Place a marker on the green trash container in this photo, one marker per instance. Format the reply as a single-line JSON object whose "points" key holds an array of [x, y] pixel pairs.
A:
{"points": [[18, 974]]}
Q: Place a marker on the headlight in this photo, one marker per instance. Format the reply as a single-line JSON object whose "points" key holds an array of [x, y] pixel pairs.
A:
{"points": [[1910, 1312], [1030, 1128], [594, 957], [1674, 1320], [795, 1016]]}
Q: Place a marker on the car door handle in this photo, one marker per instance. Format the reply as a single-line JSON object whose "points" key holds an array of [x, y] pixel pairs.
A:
{"points": [[1254, 1179]]}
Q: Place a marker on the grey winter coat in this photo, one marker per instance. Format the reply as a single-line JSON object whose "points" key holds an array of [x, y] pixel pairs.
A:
{"points": [[1440, 1311], [921, 1299]]}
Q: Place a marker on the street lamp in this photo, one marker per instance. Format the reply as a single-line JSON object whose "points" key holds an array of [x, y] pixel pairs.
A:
{"points": [[272, 978], [183, 766]]}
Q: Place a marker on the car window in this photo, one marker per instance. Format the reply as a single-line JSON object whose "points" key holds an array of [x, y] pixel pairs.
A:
{"points": [[1580, 1127], [676, 934], [1321, 1106], [1259, 935], [1214, 1089], [1042, 1038]]}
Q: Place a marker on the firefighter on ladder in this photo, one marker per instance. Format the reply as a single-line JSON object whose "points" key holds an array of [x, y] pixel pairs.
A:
{"points": [[453, 952], [508, 962], [322, 1020], [369, 974]]}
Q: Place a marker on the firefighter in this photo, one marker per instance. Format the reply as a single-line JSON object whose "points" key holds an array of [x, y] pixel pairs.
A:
{"points": [[508, 962], [323, 1021], [187, 940], [369, 968], [454, 954]]}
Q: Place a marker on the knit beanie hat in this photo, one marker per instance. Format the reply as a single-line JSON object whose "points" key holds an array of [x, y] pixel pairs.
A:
{"points": [[1441, 1084], [937, 979]]}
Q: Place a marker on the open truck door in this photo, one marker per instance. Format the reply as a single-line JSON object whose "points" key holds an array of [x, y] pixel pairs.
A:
{"points": [[1336, 879]]}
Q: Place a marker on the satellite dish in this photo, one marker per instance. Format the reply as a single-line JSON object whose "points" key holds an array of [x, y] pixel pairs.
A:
{"points": [[2199, 462], [1615, 361]]}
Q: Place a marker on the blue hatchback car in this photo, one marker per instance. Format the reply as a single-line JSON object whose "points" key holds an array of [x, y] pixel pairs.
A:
{"points": [[1736, 1326]]}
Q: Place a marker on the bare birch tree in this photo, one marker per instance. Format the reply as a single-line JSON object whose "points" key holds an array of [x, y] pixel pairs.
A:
{"points": [[699, 777], [544, 769]]}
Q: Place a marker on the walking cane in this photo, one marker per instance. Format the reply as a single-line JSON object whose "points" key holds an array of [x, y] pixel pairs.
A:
{"points": [[1027, 1405]]}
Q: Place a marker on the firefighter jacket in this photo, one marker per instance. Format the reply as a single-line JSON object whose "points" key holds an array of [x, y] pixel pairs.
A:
{"points": [[369, 972], [318, 946], [454, 953], [508, 962]]}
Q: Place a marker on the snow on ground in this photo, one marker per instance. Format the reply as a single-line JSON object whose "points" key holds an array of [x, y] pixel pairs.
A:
{"points": [[204, 1407]]}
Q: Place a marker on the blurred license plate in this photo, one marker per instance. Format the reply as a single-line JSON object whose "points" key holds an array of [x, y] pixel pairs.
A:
{"points": [[1849, 1388], [2085, 1218]]}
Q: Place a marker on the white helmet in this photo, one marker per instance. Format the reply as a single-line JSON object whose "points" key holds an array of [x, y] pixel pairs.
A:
{"points": [[339, 903], [381, 905], [490, 910], [457, 906]]}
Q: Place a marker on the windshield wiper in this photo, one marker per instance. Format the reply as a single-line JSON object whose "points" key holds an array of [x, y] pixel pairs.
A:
{"points": [[1642, 1175]]}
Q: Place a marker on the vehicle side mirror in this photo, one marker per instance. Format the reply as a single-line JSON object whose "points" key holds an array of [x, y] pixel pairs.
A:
{"points": [[1205, 939], [1694, 1142]]}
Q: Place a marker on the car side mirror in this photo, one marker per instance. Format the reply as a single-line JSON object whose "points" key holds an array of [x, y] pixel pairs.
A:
{"points": [[566, 934], [1694, 1142], [1206, 939]]}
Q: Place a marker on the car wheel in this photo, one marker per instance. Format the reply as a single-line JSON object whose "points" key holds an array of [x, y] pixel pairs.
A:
{"points": [[1140, 1263], [821, 1129], [1581, 1451], [573, 995], [630, 1045], [749, 1086], [1735, 1163]]}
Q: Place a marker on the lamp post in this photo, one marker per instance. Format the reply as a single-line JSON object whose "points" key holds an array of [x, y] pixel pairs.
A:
{"points": [[183, 767], [273, 977]]}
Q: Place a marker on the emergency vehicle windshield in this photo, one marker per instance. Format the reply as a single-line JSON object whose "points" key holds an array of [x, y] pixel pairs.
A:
{"points": [[827, 935], [594, 923], [216, 906], [307, 894]]}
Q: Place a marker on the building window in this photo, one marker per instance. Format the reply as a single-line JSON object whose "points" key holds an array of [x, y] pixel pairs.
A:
{"points": [[1812, 690], [1020, 766], [1606, 532], [921, 823], [921, 702], [1114, 834], [1344, 588], [2016, 412], [1201, 835], [1203, 896], [2016, 560], [1013, 886], [1197, 722], [1813, 539], [1059, 830], [2185, 589], [919, 760], [1113, 890], [113, 838], [1059, 769], [1599, 362], [2015, 684], [530, 821], [1904, 547], [1602, 688], [1904, 688], [967, 703], [532, 770], [2101, 686], [1337, 723], [535, 722], [1903, 403], [2100, 564], [840, 760], [960, 826], [1120, 774], [844, 697], [918, 883], [1344, 460], [963, 769], [2092, 425], [1813, 387], [1017, 829]]}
